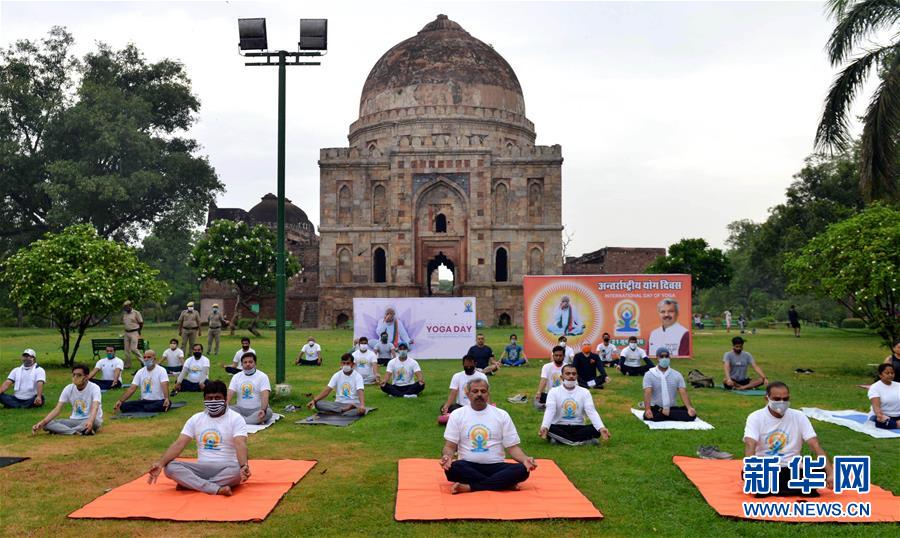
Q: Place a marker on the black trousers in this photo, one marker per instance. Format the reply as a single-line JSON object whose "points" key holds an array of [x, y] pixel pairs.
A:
{"points": [[583, 383], [402, 390], [173, 369], [106, 384], [233, 370], [575, 433], [142, 406], [8, 400], [190, 386], [383, 361], [487, 476], [784, 476], [453, 407], [635, 370], [676, 413], [304, 362]]}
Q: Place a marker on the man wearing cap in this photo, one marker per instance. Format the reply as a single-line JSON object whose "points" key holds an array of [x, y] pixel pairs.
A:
{"points": [[133, 322], [189, 327], [660, 387], [27, 382], [214, 322]]}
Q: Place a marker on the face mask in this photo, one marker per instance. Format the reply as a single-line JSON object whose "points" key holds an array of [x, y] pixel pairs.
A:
{"points": [[215, 310], [569, 383], [632, 347], [347, 369], [586, 349], [190, 309], [363, 347], [606, 340], [214, 407], [245, 346], [110, 355], [664, 362], [198, 354], [403, 354], [148, 363], [384, 338], [469, 370], [311, 343], [513, 342], [251, 371], [28, 362], [779, 407]]}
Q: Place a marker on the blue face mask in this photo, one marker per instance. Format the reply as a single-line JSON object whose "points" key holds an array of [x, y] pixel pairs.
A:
{"points": [[110, 355], [664, 362]]}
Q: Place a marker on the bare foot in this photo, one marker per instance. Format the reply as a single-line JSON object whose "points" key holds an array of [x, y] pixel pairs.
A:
{"points": [[225, 490], [459, 488]]}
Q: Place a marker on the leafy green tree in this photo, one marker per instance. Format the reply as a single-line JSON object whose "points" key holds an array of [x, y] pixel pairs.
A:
{"points": [[76, 279], [858, 24], [96, 140], [857, 263], [707, 266], [244, 258]]}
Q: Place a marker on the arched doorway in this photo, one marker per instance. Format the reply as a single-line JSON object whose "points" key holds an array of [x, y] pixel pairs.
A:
{"points": [[440, 275], [342, 320]]}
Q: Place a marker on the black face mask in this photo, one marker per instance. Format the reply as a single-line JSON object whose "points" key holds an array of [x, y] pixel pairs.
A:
{"points": [[606, 340], [469, 370], [198, 354]]}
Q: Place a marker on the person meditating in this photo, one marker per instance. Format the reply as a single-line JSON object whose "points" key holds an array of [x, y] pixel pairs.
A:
{"points": [[777, 430], [404, 376], [235, 367], [111, 369], [660, 387], [221, 437], [385, 350], [481, 433], [252, 390], [633, 360], [153, 383], [366, 362], [735, 364], [87, 413], [194, 373], [27, 382], [349, 387], [551, 376], [894, 358], [513, 354], [591, 373], [567, 406], [485, 361], [457, 397], [310, 354], [885, 397]]}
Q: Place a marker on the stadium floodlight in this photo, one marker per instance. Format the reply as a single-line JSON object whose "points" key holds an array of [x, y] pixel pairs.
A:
{"points": [[252, 34], [313, 34]]}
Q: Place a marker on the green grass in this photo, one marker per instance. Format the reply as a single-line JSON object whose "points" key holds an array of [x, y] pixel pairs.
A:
{"points": [[631, 479]]}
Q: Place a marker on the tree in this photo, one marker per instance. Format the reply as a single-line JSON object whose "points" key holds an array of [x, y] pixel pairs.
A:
{"points": [[707, 266], [857, 263], [96, 140], [167, 249], [244, 257], [76, 279], [857, 22]]}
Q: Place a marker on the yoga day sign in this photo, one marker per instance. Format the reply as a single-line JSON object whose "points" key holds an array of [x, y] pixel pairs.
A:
{"points": [[432, 327], [654, 308]]}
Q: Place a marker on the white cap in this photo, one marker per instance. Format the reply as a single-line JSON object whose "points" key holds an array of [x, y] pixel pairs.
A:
{"points": [[30, 352]]}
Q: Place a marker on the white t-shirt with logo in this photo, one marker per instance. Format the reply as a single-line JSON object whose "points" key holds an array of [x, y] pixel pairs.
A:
{"points": [[215, 436], [108, 368], [566, 406], [481, 436], [553, 374], [312, 351], [240, 353], [890, 397], [606, 351], [632, 357], [82, 400], [365, 361], [403, 372], [149, 384], [173, 357], [25, 381], [459, 381], [345, 387], [779, 436], [193, 369], [248, 389]]}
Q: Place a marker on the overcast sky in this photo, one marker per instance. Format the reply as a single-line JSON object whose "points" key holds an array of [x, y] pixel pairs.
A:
{"points": [[674, 118]]}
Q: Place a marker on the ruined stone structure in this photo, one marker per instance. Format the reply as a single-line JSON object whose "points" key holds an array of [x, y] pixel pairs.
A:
{"points": [[612, 261], [441, 167]]}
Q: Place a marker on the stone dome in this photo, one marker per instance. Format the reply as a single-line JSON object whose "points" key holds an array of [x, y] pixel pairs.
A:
{"points": [[267, 211], [441, 65]]}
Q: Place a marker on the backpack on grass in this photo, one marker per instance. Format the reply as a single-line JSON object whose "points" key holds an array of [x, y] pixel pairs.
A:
{"points": [[699, 380]]}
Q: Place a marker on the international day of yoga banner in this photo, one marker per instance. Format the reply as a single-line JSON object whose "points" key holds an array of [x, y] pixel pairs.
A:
{"points": [[654, 308], [432, 327]]}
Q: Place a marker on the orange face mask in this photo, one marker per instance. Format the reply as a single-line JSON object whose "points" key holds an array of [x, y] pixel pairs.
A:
{"points": [[586, 349]]}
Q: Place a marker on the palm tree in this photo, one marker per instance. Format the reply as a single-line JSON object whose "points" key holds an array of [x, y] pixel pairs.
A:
{"points": [[879, 149]]}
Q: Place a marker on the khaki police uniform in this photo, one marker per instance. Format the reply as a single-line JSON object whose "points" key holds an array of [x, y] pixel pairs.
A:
{"points": [[132, 322], [189, 329], [215, 321]]}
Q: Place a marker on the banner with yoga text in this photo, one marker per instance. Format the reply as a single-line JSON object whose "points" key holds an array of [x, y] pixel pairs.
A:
{"points": [[654, 308], [432, 327]]}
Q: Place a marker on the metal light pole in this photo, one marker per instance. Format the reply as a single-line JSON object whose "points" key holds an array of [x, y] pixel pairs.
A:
{"points": [[313, 37]]}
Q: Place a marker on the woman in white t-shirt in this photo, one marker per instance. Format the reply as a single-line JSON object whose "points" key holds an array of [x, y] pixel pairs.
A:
{"points": [[885, 397]]}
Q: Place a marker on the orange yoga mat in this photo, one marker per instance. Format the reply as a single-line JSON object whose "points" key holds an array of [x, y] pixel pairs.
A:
{"points": [[719, 481], [252, 501], [423, 494]]}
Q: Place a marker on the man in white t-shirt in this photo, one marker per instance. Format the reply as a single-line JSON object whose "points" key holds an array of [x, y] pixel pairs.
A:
{"points": [[235, 367], [195, 372], [27, 382], [310, 354], [349, 389], [777, 430], [567, 407], [111, 367], [173, 357], [87, 413], [633, 360], [551, 376], [252, 389], [608, 351], [404, 377], [221, 437], [482, 434], [457, 397], [153, 382], [366, 362]]}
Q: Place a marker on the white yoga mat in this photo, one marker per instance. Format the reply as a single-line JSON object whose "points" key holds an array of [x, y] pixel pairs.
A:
{"points": [[696, 424], [253, 428], [849, 418]]}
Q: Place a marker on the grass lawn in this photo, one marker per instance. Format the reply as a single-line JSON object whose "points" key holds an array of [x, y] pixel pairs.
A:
{"points": [[631, 479]]}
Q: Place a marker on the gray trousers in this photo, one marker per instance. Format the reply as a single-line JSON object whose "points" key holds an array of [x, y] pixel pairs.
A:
{"points": [[205, 477], [70, 426], [251, 416], [336, 408]]}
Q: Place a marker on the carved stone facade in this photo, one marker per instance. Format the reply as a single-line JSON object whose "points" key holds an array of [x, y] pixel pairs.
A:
{"points": [[441, 167]]}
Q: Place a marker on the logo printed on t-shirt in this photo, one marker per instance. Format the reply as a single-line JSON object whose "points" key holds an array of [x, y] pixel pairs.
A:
{"points": [[479, 435], [211, 439], [147, 385], [555, 379], [401, 374], [246, 391], [570, 408], [776, 441], [345, 390], [80, 407]]}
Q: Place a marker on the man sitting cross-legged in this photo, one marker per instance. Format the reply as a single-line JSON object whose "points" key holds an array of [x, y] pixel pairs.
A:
{"points": [[84, 397], [567, 405], [221, 437], [633, 360], [110, 367], [481, 432], [660, 387], [551, 376], [366, 362], [153, 383], [27, 382], [591, 373], [457, 397], [235, 367], [194, 373], [349, 387], [252, 390], [735, 364], [404, 376]]}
